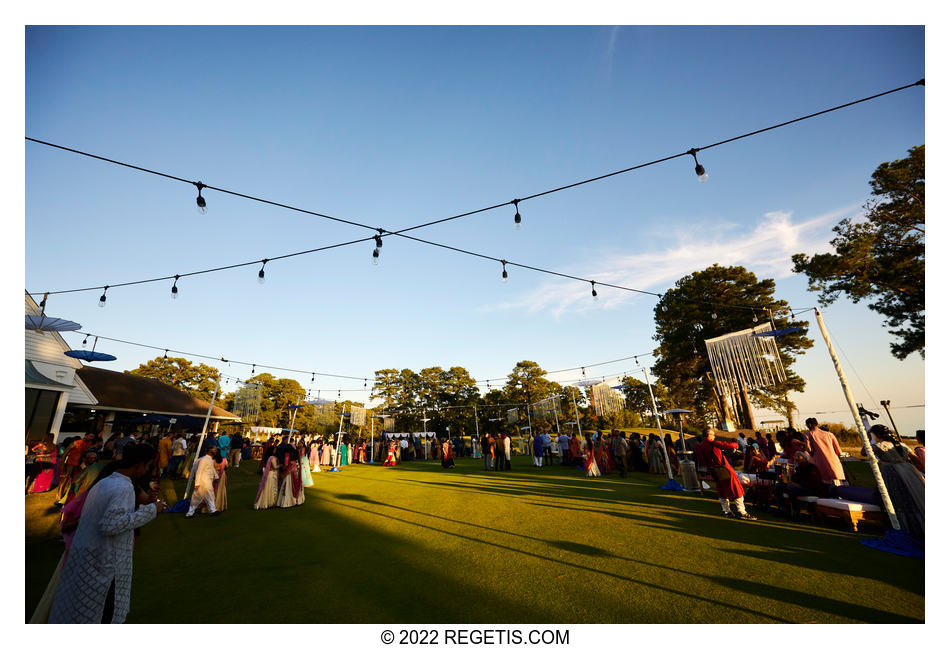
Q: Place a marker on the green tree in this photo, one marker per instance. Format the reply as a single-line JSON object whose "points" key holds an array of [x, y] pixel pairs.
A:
{"points": [[197, 380], [684, 320], [881, 257], [276, 395]]}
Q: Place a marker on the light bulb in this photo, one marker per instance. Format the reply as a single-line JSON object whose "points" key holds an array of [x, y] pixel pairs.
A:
{"points": [[665, 308], [375, 256], [504, 270], [700, 169], [714, 316], [102, 298], [517, 213], [379, 239], [755, 318], [200, 201], [593, 291], [260, 273], [174, 292]]}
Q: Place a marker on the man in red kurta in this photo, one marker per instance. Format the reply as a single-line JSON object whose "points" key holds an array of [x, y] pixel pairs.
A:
{"points": [[709, 453]]}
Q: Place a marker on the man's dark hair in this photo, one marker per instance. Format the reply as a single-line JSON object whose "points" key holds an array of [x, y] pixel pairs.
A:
{"points": [[811, 422], [132, 454]]}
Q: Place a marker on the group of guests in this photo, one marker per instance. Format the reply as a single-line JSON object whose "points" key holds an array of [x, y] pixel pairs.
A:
{"points": [[285, 471], [812, 466]]}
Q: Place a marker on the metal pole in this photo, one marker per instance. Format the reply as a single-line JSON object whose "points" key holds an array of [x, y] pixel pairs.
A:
{"points": [[887, 409], [372, 428], [669, 471], [201, 441], [866, 443], [339, 436], [577, 419]]}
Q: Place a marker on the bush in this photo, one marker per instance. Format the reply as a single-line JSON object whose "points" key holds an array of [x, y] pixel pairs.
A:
{"points": [[847, 436]]}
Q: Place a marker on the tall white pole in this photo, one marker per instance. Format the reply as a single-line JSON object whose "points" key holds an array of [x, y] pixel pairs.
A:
{"points": [[372, 429], [339, 436], [669, 472], [865, 442], [577, 419], [201, 441]]}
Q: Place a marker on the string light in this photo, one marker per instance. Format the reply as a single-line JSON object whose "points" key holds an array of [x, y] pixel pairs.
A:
{"points": [[84, 340], [260, 273], [175, 288], [517, 213], [714, 316], [379, 238], [102, 298], [593, 291], [755, 318], [253, 367], [504, 270], [165, 357], [700, 169], [375, 256], [665, 308], [43, 302], [200, 201]]}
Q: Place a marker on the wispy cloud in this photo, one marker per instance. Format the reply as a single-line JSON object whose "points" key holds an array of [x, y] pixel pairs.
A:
{"points": [[765, 249], [611, 46]]}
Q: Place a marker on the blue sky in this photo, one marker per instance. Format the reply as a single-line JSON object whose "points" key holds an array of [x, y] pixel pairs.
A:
{"points": [[397, 126]]}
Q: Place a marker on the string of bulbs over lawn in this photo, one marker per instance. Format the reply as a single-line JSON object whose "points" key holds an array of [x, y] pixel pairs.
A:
{"points": [[380, 232], [313, 374]]}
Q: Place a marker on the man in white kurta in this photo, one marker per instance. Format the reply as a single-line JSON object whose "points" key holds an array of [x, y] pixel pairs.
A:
{"points": [[205, 475], [100, 558]]}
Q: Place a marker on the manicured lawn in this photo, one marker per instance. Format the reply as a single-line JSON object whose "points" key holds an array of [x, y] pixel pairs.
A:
{"points": [[417, 543]]}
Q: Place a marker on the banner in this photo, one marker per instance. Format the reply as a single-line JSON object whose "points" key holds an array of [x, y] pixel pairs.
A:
{"points": [[357, 416], [513, 416]]}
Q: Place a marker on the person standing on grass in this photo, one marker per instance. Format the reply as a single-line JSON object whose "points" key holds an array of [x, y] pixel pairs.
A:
{"points": [[620, 449], [96, 581], [563, 444], [506, 440], [164, 453], [487, 444], [500, 452], [205, 475], [237, 445], [825, 453], [711, 454]]}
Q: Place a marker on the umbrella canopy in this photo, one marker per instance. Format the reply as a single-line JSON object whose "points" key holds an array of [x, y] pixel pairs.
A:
{"points": [[86, 355], [47, 323], [778, 332], [674, 411], [587, 383]]}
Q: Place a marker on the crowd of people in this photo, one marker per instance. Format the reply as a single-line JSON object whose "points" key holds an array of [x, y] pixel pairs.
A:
{"points": [[107, 489]]}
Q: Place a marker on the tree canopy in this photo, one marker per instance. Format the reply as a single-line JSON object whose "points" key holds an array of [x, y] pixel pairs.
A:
{"points": [[197, 380], [881, 258]]}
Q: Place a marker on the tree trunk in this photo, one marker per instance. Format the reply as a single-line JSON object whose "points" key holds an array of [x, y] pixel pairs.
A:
{"points": [[748, 416]]}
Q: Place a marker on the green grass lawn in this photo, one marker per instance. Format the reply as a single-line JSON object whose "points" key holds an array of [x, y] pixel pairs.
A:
{"points": [[417, 543]]}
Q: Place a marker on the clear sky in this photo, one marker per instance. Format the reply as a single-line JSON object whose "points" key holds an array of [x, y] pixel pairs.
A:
{"points": [[397, 126]]}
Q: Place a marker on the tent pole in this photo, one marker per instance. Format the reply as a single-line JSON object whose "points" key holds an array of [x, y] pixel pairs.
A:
{"points": [[865, 442], [201, 441]]}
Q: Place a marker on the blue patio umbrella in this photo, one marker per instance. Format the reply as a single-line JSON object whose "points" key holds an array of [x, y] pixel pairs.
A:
{"points": [[87, 355], [778, 332]]}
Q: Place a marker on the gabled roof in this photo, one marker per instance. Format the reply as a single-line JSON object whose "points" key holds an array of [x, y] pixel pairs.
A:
{"points": [[132, 393], [34, 376]]}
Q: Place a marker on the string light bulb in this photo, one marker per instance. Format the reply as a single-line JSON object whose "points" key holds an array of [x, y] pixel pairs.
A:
{"points": [[379, 238], [260, 273], [165, 357], [701, 174], [84, 341], [376, 256], [43, 302], [593, 291], [517, 213], [102, 298], [504, 270], [755, 318], [175, 288], [253, 367], [665, 308], [200, 201], [714, 316]]}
